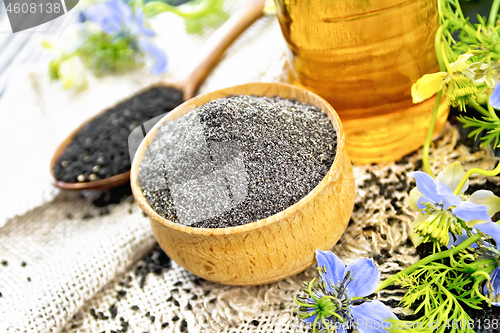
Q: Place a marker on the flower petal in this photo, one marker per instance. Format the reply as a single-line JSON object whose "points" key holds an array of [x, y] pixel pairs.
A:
{"points": [[121, 10], [469, 211], [160, 58], [478, 74], [495, 283], [415, 195], [492, 229], [452, 175], [371, 317], [447, 197], [461, 63], [427, 86], [139, 27], [426, 185], [450, 242], [422, 201], [335, 268], [484, 197], [461, 238], [365, 277], [495, 97], [415, 238], [104, 17], [310, 320]]}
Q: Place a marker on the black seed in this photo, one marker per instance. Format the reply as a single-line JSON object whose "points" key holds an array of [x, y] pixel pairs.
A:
{"points": [[147, 314], [143, 281], [113, 311], [29, 279], [175, 318], [163, 325], [4, 263], [155, 262], [176, 303], [102, 316], [206, 292], [103, 211], [23, 264], [255, 322], [1, 295], [212, 300], [93, 314], [120, 294], [184, 325], [102, 145], [194, 297], [170, 299], [152, 319], [178, 283], [87, 216], [189, 306], [134, 307]]}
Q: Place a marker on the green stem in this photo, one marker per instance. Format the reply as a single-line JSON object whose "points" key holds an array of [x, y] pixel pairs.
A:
{"points": [[431, 258], [459, 10], [190, 11], [492, 112], [472, 171], [430, 131], [445, 59], [493, 13], [437, 46], [478, 107]]}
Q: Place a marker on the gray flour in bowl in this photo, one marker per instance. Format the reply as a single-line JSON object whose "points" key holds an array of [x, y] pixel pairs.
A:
{"points": [[236, 160]]}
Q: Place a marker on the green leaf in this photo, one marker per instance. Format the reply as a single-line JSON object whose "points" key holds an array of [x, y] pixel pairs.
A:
{"points": [[489, 128], [198, 15]]}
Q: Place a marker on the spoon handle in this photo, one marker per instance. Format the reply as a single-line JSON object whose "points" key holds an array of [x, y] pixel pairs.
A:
{"points": [[218, 43]]}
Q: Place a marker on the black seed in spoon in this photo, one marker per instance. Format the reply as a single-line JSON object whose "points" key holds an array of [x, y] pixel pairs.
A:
{"points": [[100, 149]]}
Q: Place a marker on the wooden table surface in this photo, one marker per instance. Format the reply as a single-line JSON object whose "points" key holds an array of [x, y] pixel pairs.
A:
{"points": [[24, 47]]}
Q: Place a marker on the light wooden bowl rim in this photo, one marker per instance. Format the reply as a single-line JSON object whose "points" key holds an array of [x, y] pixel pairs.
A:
{"points": [[205, 98]]}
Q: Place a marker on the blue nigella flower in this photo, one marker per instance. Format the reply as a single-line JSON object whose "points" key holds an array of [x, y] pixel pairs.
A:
{"points": [[494, 99], [440, 208], [338, 304], [116, 18]]}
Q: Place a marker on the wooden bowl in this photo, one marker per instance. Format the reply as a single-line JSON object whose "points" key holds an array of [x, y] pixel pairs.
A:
{"points": [[267, 250]]}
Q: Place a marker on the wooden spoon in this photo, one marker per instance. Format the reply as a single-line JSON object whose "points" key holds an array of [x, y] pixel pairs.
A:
{"points": [[188, 84]]}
